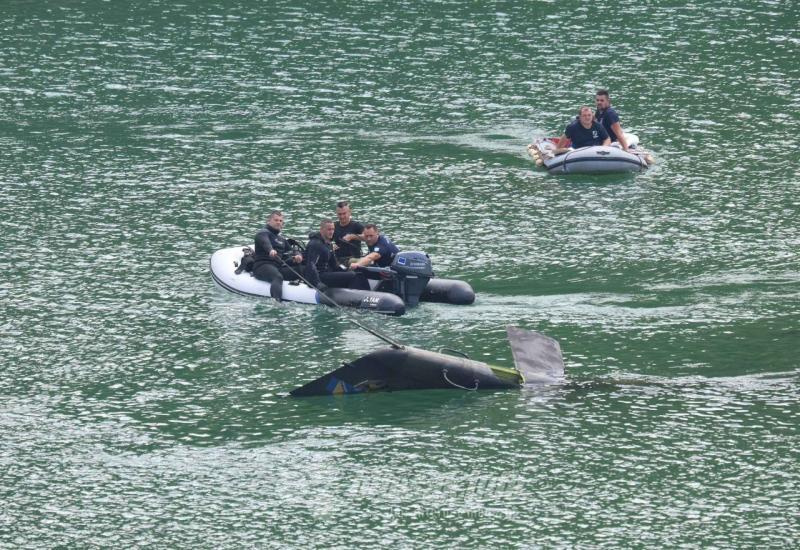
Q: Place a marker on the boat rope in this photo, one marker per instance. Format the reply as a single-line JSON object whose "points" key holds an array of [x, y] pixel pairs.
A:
{"points": [[444, 374], [375, 332]]}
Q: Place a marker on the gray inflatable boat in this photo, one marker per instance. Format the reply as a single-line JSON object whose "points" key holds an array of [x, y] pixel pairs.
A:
{"points": [[589, 160]]}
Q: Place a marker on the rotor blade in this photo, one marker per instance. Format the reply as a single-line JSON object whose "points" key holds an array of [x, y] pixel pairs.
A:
{"points": [[537, 357]]}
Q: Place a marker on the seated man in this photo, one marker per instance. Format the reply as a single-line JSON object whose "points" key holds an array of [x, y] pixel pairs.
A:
{"points": [[322, 270], [347, 234], [608, 117], [381, 250], [583, 132], [274, 256]]}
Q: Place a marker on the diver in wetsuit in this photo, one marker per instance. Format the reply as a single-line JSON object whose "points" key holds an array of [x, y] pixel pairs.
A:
{"points": [[274, 255], [322, 268]]}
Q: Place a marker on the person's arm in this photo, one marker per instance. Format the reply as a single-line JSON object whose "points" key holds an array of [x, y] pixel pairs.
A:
{"points": [[370, 258], [617, 127], [292, 256], [263, 238], [333, 263], [603, 134], [310, 273], [358, 229], [561, 146]]}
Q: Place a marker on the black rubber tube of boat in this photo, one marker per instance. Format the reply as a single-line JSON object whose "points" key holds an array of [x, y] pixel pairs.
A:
{"points": [[375, 332]]}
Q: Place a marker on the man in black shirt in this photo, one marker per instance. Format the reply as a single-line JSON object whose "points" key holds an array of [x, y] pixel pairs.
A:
{"points": [[608, 117], [584, 132], [347, 234]]}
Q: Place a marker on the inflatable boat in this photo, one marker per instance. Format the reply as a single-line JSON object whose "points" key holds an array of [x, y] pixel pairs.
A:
{"points": [[590, 160], [224, 270], [405, 283], [537, 359]]}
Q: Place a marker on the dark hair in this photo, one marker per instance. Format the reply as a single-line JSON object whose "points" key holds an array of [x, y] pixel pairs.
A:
{"points": [[372, 226], [274, 213], [602, 92], [325, 222], [342, 204]]}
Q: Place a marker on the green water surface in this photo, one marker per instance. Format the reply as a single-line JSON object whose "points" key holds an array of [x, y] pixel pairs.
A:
{"points": [[140, 405]]}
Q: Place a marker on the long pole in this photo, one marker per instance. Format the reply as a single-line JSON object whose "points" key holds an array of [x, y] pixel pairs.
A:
{"points": [[375, 332]]}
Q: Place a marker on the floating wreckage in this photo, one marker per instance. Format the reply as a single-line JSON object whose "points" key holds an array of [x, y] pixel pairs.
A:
{"points": [[398, 367]]}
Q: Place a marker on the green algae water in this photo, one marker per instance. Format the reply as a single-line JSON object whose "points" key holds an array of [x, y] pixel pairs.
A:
{"points": [[140, 405]]}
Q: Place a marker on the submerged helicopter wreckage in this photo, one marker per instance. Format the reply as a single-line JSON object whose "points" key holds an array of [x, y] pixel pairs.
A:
{"points": [[397, 367]]}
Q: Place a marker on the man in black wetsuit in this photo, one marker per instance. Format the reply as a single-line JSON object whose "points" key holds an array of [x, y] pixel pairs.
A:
{"points": [[347, 234], [274, 257], [322, 268]]}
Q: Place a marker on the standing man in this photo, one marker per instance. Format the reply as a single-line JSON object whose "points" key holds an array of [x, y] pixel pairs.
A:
{"points": [[322, 268], [381, 250], [347, 234], [583, 132], [274, 255], [608, 117]]}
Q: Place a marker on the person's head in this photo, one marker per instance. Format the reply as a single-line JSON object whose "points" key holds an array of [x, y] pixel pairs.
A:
{"points": [[343, 212], [586, 116], [275, 220], [371, 233], [326, 229], [602, 100]]}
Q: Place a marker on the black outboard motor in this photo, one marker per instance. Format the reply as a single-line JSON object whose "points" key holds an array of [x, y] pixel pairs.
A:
{"points": [[412, 271]]}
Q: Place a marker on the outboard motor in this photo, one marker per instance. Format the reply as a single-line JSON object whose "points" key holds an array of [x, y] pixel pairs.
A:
{"points": [[412, 271]]}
